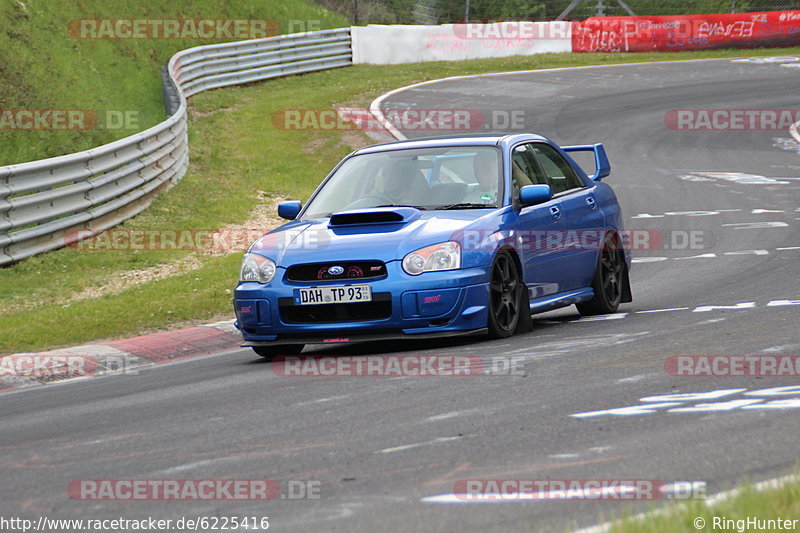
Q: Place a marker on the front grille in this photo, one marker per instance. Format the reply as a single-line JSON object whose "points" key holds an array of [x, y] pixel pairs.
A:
{"points": [[338, 271], [379, 308]]}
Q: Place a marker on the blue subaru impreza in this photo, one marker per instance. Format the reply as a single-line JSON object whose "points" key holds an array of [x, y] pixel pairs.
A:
{"points": [[436, 237]]}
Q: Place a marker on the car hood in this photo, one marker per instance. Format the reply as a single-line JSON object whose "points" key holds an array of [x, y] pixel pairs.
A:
{"points": [[314, 241]]}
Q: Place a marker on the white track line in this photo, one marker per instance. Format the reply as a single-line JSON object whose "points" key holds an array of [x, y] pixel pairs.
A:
{"points": [[793, 131], [418, 444], [375, 106]]}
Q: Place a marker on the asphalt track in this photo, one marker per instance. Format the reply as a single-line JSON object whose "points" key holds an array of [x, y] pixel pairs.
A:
{"points": [[380, 446]]}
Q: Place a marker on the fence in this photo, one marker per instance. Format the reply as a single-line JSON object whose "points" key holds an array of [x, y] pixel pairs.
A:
{"points": [[44, 204]]}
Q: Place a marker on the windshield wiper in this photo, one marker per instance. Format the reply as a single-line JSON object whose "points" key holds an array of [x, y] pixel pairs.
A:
{"points": [[402, 205], [464, 206]]}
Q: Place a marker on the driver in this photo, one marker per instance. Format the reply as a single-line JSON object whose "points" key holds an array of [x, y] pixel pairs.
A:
{"points": [[396, 177], [484, 165], [392, 188]]}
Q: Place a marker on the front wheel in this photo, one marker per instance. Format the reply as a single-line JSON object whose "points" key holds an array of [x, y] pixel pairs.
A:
{"points": [[607, 283], [270, 352], [505, 296]]}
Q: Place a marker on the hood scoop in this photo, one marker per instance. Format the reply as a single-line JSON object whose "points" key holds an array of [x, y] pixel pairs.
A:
{"points": [[375, 215]]}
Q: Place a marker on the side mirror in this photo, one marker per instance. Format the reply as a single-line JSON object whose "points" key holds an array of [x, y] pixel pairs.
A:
{"points": [[289, 210], [535, 194]]}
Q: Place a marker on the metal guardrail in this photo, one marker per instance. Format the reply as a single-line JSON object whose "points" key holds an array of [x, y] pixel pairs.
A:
{"points": [[47, 204]]}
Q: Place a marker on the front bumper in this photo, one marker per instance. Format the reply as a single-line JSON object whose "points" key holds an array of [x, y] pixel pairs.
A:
{"points": [[433, 304]]}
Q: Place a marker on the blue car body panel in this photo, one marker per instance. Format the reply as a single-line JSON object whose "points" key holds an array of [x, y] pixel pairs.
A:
{"points": [[433, 303]]}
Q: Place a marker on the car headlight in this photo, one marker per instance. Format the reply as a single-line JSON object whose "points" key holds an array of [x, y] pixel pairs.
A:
{"points": [[257, 268], [443, 256]]}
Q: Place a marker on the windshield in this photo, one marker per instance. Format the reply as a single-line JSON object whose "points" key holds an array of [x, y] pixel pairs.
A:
{"points": [[464, 177]]}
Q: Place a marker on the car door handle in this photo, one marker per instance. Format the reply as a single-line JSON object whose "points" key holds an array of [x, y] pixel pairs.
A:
{"points": [[555, 212], [591, 202]]}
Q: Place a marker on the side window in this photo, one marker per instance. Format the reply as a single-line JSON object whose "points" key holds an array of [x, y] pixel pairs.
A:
{"points": [[525, 170], [560, 174]]}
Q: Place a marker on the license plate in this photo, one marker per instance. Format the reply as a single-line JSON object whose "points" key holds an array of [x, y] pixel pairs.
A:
{"points": [[333, 295]]}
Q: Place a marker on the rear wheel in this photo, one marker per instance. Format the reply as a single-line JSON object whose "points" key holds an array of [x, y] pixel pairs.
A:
{"points": [[270, 352], [607, 283], [505, 290]]}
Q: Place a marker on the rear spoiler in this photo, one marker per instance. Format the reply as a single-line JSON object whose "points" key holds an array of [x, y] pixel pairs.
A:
{"points": [[600, 159]]}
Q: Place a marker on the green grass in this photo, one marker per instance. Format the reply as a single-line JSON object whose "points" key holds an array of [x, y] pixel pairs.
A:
{"points": [[771, 504], [43, 67], [235, 152]]}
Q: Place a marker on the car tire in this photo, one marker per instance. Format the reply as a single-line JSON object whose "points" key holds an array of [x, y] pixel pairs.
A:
{"points": [[505, 296], [270, 352], [608, 281]]}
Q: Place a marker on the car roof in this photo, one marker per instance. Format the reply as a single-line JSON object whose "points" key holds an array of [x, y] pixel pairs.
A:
{"points": [[480, 139]]}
